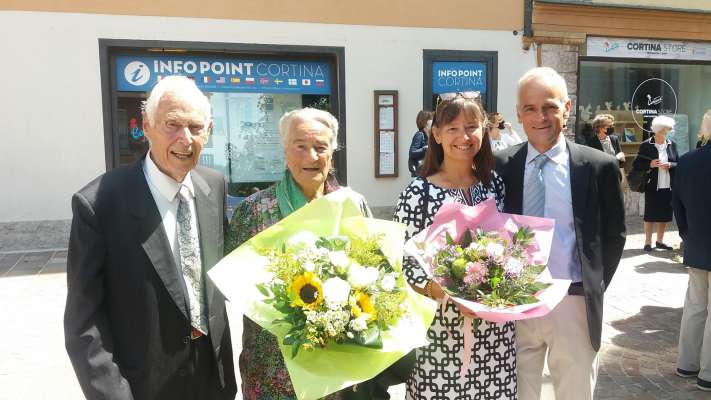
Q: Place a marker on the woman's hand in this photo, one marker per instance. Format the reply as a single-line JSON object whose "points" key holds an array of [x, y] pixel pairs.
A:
{"points": [[665, 166], [654, 163]]}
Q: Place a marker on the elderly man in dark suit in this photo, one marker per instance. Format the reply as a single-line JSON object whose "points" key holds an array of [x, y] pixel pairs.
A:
{"points": [[142, 320], [579, 187], [692, 208]]}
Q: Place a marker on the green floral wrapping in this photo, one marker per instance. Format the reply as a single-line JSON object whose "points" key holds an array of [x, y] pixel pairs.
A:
{"points": [[321, 371]]}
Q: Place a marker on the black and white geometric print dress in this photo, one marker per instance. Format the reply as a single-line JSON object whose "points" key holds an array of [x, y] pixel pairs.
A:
{"points": [[492, 369]]}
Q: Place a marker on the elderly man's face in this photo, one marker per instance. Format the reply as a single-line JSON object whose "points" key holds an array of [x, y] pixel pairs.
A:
{"points": [[308, 153], [177, 135], [542, 113]]}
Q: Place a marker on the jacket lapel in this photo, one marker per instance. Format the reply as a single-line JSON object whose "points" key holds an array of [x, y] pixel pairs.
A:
{"points": [[514, 197], [151, 235], [209, 225], [579, 184]]}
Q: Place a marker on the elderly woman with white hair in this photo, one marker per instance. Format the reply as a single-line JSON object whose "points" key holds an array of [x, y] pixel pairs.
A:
{"points": [[309, 137], [659, 156]]}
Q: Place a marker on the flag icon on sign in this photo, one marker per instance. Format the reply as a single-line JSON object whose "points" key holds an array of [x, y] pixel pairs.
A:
{"points": [[263, 81], [235, 80], [206, 79], [221, 79], [278, 81], [249, 81], [320, 82], [306, 82], [292, 82]]}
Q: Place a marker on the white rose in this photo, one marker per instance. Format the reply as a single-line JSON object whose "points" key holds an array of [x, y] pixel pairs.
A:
{"points": [[360, 323], [494, 250], [339, 259], [336, 291], [303, 239], [514, 266], [388, 282], [309, 266], [360, 276]]}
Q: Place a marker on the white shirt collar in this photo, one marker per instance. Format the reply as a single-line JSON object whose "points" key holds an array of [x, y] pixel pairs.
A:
{"points": [[557, 153], [167, 186]]}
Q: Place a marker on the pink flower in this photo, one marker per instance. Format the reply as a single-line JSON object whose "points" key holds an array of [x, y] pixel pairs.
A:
{"points": [[475, 273]]}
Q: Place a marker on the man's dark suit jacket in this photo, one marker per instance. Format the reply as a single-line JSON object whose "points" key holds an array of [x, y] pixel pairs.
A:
{"points": [[127, 325], [598, 210], [691, 198]]}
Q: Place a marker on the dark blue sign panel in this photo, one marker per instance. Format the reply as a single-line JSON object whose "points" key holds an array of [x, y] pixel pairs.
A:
{"points": [[140, 74], [454, 76]]}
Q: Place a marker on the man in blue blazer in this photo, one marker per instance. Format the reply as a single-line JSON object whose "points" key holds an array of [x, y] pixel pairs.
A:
{"points": [[579, 187], [692, 202]]}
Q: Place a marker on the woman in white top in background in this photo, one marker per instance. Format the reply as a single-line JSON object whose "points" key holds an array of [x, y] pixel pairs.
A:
{"points": [[501, 134], [658, 155]]}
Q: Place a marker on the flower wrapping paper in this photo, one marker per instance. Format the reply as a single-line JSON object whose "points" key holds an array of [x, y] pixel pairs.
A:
{"points": [[321, 371], [456, 218]]}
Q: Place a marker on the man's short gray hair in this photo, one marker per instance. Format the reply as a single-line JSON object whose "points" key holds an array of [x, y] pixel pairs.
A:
{"points": [[312, 115], [549, 76], [661, 122], [182, 87]]}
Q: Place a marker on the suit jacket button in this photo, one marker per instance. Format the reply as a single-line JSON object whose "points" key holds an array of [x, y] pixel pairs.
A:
{"points": [[186, 339], [182, 372]]}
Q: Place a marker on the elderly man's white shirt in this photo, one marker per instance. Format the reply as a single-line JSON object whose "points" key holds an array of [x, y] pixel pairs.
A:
{"points": [[165, 194]]}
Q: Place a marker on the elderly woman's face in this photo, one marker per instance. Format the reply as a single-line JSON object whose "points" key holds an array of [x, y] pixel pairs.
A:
{"points": [[308, 153], [663, 131]]}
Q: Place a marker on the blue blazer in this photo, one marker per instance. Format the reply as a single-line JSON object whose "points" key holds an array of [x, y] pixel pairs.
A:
{"points": [[691, 199]]}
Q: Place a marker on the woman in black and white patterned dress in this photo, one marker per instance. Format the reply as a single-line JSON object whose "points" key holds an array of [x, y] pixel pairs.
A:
{"points": [[449, 175]]}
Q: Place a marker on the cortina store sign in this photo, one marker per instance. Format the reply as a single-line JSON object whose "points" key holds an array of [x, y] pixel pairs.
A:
{"points": [[643, 48], [651, 98]]}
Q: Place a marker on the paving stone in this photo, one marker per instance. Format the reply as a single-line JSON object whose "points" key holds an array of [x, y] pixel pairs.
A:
{"points": [[637, 359]]}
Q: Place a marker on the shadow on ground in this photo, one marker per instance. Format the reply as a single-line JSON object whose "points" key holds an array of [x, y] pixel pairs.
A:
{"points": [[651, 330]]}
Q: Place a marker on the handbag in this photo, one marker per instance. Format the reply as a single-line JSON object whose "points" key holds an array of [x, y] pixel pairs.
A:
{"points": [[638, 178]]}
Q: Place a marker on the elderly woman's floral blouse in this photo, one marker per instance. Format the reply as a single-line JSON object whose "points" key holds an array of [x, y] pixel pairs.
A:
{"points": [[264, 374]]}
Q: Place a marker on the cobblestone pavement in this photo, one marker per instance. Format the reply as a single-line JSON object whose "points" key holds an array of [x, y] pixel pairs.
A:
{"points": [[643, 309]]}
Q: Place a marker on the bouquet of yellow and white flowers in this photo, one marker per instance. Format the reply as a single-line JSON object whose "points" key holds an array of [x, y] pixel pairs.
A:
{"points": [[333, 290], [328, 283]]}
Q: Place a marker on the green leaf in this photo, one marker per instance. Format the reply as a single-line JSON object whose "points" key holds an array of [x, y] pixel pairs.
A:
{"points": [[295, 349], [535, 269], [466, 239], [448, 237], [263, 290], [370, 338]]}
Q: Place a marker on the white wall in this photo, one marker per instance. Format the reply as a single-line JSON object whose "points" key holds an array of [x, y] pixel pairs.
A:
{"points": [[50, 93]]}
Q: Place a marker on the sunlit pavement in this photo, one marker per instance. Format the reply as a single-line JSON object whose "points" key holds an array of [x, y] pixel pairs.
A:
{"points": [[643, 308]]}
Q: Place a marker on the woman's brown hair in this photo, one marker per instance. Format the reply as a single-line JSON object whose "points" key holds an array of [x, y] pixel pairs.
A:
{"points": [[446, 112], [422, 118]]}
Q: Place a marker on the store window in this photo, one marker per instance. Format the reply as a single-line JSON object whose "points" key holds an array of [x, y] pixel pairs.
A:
{"points": [[451, 71], [637, 91], [248, 97]]}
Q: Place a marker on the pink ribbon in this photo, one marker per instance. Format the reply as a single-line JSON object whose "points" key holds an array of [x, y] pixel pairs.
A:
{"points": [[465, 356]]}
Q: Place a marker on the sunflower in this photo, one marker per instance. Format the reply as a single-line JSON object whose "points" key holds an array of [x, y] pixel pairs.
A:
{"points": [[306, 291], [361, 304]]}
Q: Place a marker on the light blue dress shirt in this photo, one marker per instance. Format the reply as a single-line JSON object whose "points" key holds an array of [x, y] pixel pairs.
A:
{"points": [[564, 260]]}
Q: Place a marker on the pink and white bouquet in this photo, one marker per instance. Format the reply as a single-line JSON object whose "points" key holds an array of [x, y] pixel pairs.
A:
{"points": [[489, 267], [489, 263]]}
